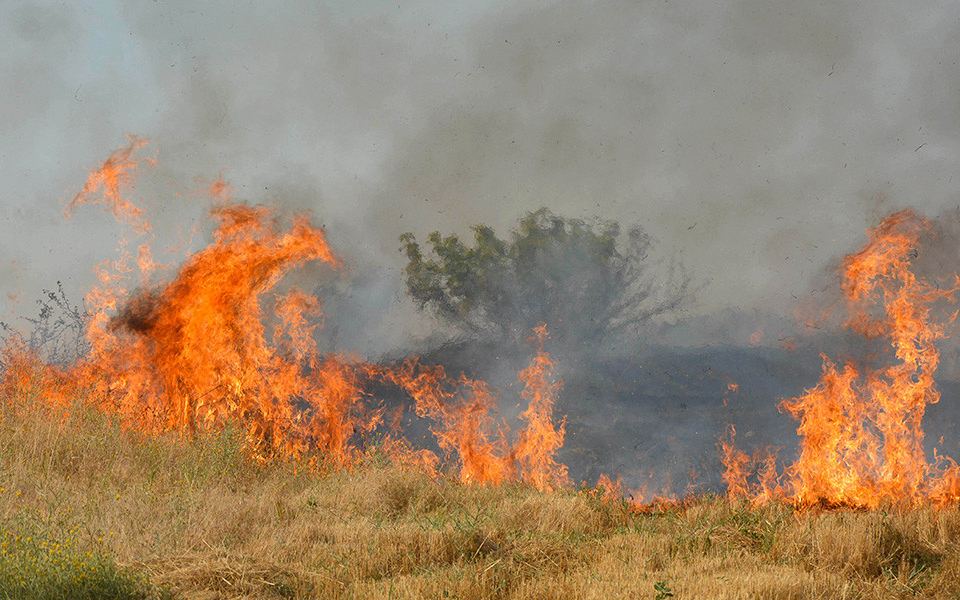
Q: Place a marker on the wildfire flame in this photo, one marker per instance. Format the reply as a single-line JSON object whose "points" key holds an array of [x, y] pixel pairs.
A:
{"points": [[196, 351], [862, 439], [463, 423], [221, 340], [539, 442], [466, 428]]}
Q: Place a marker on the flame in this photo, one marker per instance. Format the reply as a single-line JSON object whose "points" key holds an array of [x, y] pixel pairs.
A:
{"points": [[194, 352], [221, 341], [465, 428], [539, 441], [749, 477], [26, 375], [736, 464], [862, 439], [463, 423], [115, 174]]}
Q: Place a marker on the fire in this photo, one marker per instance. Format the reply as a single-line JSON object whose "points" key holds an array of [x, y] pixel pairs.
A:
{"points": [[221, 340], [737, 465], [465, 427], [539, 442], [753, 477], [463, 423], [862, 439], [116, 174], [194, 351]]}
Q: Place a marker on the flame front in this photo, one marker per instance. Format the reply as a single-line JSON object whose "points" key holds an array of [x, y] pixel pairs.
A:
{"points": [[463, 423], [862, 439], [222, 341], [465, 427], [197, 351], [194, 351]]}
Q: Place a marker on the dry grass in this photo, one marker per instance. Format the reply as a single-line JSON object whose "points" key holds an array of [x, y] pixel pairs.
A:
{"points": [[201, 520]]}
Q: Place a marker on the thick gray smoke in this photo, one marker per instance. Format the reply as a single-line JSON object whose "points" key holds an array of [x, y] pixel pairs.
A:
{"points": [[756, 141]]}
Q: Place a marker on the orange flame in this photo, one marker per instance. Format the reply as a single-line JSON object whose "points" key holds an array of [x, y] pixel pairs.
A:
{"points": [[193, 352], [749, 477], [465, 427], [736, 464], [862, 440], [463, 424], [610, 491], [115, 174], [539, 441], [197, 351]]}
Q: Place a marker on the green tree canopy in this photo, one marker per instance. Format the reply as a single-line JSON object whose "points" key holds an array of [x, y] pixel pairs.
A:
{"points": [[584, 280]]}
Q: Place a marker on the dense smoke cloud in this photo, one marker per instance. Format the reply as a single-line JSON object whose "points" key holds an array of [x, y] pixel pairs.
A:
{"points": [[739, 133], [755, 141]]}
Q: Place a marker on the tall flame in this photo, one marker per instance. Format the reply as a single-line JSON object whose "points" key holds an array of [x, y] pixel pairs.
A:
{"points": [[197, 351], [194, 352], [861, 428], [539, 441], [463, 423]]}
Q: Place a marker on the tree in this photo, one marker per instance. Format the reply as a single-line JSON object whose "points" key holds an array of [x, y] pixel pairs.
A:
{"points": [[584, 280]]}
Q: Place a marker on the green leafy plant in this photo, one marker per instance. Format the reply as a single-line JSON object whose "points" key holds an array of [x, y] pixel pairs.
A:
{"points": [[662, 590], [36, 565], [585, 280]]}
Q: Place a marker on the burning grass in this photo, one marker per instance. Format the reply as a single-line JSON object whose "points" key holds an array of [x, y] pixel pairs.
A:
{"points": [[204, 442], [216, 344], [861, 426], [199, 519]]}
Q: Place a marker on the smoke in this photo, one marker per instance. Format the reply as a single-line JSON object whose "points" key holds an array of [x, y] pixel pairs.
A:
{"points": [[740, 133], [755, 141]]}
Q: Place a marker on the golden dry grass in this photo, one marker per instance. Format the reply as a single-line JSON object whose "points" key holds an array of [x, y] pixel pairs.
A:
{"points": [[201, 520]]}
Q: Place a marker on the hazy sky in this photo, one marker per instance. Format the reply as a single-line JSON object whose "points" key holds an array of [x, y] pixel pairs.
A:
{"points": [[755, 139]]}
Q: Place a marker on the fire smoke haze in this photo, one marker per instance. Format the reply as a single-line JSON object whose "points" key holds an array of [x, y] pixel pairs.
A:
{"points": [[755, 140]]}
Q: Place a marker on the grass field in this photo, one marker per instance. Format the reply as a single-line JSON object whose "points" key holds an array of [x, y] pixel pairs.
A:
{"points": [[90, 510]]}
